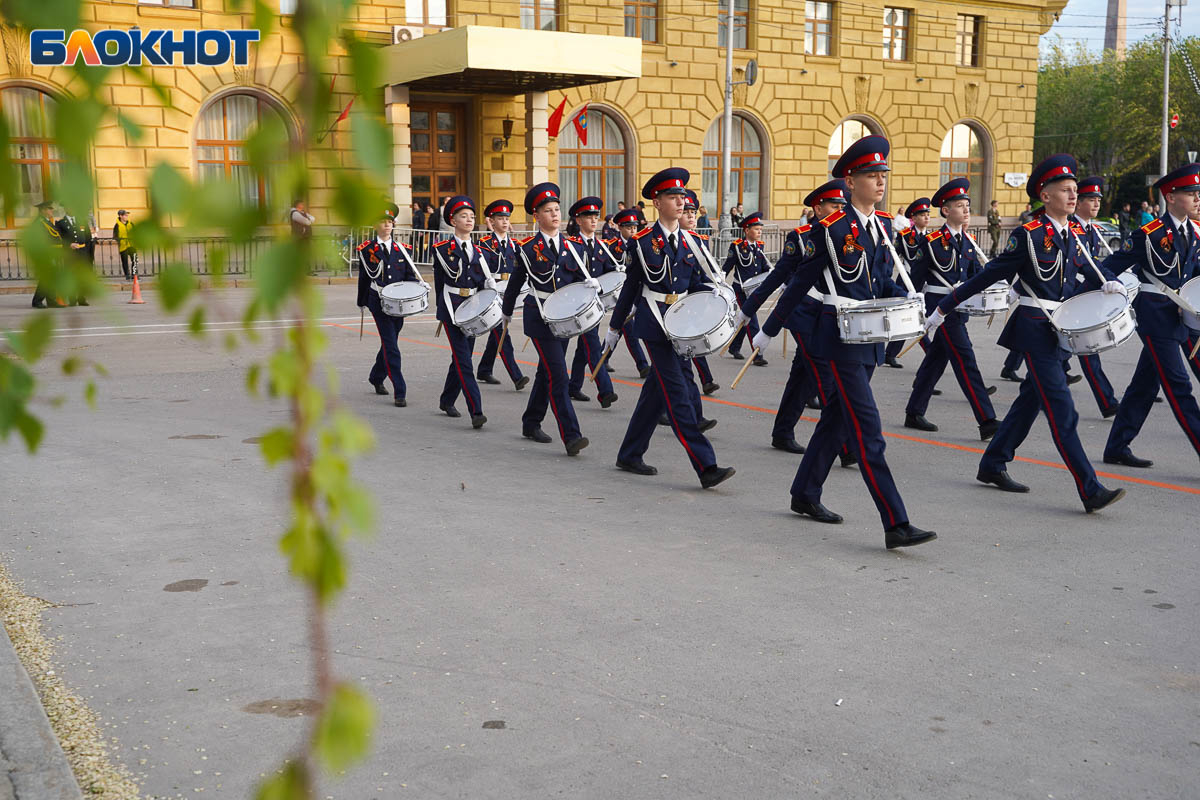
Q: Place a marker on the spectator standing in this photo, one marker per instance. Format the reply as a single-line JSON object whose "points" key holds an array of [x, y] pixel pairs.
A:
{"points": [[123, 236], [993, 222], [1144, 214], [301, 220], [702, 223], [735, 215], [1026, 215], [1124, 218]]}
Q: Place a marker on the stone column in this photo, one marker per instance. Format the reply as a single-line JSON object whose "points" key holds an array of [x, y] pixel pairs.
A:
{"points": [[537, 141], [396, 107]]}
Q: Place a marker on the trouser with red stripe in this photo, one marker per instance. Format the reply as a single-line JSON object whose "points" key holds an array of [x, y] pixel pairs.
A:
{"points": [[587, 352], [1044, 388], [951, 345], [487, 361], [669, 389], [387, 360], [550, 390], [751, 327], [634, 345], [460, 377], [1102, 389], [1188, 343], [702, 370], [802, 384], [849, 414], [1160, 364]]}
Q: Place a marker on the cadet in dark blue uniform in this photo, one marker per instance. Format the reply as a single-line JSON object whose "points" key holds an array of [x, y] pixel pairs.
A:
{"points": [[746, 260], [1164, 254], [1044, 256], [661, 268], [1091, 190], [689, 222], [628, 223], [459, 271], [947, 258], [850, 246], [908, 245], [501, 253], [549, 261], [383, 261], [599, 260]]}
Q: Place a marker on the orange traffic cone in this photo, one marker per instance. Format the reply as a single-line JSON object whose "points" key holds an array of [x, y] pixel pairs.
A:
{"points": [[137, 291]]}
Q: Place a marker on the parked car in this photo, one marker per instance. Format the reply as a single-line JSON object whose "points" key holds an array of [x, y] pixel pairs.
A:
{"points": [[1111, 234]]}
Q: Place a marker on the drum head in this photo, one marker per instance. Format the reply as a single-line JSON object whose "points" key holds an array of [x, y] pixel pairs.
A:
{"points": [[1130, 281], [404, 290], [475, 305], [695, 315], [1190, 292], [880, 302], [568, 301], [610, 281], [1089, 309]]}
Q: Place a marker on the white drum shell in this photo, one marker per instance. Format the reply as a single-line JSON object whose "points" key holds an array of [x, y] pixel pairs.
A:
{"points": [[700, 324], [882, 320], [1190, 293], [502, 288], [1131, 283], [1093, 322], [992, 300], [610, 287], [572, 310], [752, 283], [479, 313], [404, 298]]}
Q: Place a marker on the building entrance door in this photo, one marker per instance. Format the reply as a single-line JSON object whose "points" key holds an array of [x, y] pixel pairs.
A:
{"points": [[439, 164]]}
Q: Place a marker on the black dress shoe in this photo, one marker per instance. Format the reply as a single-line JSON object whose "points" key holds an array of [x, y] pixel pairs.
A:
{"points": [[1073, 379], [489, 379], [814, 404], [538, 435], [847, 460], [1010, 375], [478, 420], [638, 467], [379, 388], [706, 424], [643, 371], [576, 444], [713, 475], [451, 411], [1128, 460], [662, 420], [1102, 498], [400, 402], [39, 304], [893, 363], [987, 429], [991, 390], [1158, 399], [521, 383], [83, 302], [580, 396], [608, 367], [759, 361], [607, 400], [906, 536], [817, 511], [736, 356], [919, 422], [1108, 413], [1001, 481], [935, 392], [787, 445], [711, 387]]}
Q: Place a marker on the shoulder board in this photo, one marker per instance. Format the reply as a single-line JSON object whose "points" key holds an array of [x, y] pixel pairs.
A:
{"points": [[804, 229], [443, 243], [832, 218], [610, 242], [704, 236], [884, 214], [739, 241], [1032, 225], [1152, 226], [576, 239], [487, 239], [1077, 228], [526, 240], [934, 235], [642, 232], [366, 244]]}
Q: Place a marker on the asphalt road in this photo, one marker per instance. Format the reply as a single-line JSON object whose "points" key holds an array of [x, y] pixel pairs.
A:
{"points": [[638, 637]]}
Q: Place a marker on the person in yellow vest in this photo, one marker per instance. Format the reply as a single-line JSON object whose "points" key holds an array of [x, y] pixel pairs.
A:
{"points": [[122, 233]]}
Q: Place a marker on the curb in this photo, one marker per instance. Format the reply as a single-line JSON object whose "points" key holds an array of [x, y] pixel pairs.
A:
{"points": [[202, 283], [32, 765]]}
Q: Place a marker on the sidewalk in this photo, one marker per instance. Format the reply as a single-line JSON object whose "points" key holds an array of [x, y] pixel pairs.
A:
{"points": [[203, 282]]}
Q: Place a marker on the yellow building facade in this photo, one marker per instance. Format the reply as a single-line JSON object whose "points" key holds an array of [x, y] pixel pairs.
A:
{"points": [[469, 89]]}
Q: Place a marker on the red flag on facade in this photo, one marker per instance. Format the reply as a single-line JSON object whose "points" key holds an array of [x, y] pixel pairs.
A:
{"points": [[345, 111], [581, 125], [556, 119]]}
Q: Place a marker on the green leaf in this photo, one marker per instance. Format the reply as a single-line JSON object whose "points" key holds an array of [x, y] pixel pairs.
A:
{"points": [[89, 393], [290, 783], [30, 343], [133, 131], [343, 734], [196, 321], [278, 272], [169, 190], [277, 444], [30, 428], [175, 283], [372, 142], [70, 365]]}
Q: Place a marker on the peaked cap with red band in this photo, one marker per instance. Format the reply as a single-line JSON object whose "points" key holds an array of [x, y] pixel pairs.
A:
{"points": [[539, 195], [390, 211], [456, 204], [868, 154], [831, 191], [499, 208], [919, 206], [587, 205], [672, 180], [690, 201], [1054, 168], [1183, 179], [752, 219], [1091, 187], [626, 216], [951, 190]]}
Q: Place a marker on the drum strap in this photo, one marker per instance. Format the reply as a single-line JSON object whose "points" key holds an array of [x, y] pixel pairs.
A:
{"points": [[1087, 254], [619, 264], [947, 289], [653, 299], [1155, 286], [900, 263], [707, 262], [1032, 300]]}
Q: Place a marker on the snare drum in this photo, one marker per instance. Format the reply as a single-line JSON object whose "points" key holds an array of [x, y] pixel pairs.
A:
{"points": [[992, 300], [572, 310], [700, 324], [479, 313], [752, 283], [610, 287], [502, 288], [885, 319], [1190, 294], [1093, 322], [1131, 283], [404, 298]]}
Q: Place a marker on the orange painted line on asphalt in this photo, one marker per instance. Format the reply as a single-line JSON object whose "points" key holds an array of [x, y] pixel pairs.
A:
{"points": [[905, 437]]}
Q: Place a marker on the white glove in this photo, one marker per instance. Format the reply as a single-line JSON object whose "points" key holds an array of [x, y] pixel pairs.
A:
{"points": [[611, 338], [741, 321], [933, 322], [1113, 287], [1013, 295], [508, 320], [916, 296], [761, 340], [593, 283], [490, 283]]}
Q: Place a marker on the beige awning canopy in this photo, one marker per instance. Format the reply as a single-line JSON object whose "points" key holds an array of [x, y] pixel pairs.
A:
{"points": [[487, 60]]}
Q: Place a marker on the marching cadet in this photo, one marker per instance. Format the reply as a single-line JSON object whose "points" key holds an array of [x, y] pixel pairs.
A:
{"points": [[1043, 256], [908, 245], [1091, 190], [948, 257], [804, 380], [599, 260], [689, 222], [1193, 335], [746, 260], [499, 248], [1164, 254], [628, 224], [660, 268], [383, 261], [549, 261], [852, 248], [460, 271]]}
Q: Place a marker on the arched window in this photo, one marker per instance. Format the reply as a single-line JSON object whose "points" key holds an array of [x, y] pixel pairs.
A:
{"points": [[964, 155], [596, 168], [847, 133], [745, 166], [221, 134], [35, 157]]}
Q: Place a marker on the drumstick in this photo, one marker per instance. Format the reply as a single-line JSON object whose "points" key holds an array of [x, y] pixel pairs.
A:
{"points": [[910, 346], [785, 338], [600, 365], [1195, 347], [503, 333], [362, 319], [745, 367], [525, 345], [438, 332], [725, 349]]}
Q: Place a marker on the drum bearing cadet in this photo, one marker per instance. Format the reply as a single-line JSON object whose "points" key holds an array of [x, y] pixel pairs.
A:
{"points": [[661, 268], [690, 222], [745, 268], [383, 262], [1091, 191], [549, 261], [908, 245], [948, 257], [1043, 256], [628, 223], [599, 261], [468, 305], [1164, 255], [501, 253]]}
